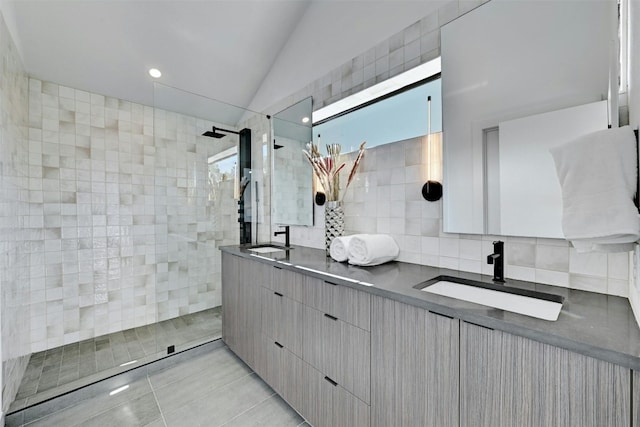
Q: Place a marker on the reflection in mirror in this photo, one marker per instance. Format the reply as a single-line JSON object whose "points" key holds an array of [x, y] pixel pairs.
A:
{"points": [[499, 64], [291, 191], [401, 116]]}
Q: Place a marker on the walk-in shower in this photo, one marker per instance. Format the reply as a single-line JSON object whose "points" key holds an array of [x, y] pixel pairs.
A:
{"points": [[155, 279]]}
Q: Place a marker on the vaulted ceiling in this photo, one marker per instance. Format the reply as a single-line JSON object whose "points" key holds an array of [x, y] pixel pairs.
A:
{"points": [[222, 49]]}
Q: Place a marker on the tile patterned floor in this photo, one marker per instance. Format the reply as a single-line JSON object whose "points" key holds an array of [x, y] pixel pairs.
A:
{"points": [[56, 371], [212, 389]]}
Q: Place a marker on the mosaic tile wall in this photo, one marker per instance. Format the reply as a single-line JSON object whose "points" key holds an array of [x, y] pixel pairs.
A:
{"points": [[14, 214], [121, 216], [386, 197], [289, 168]]}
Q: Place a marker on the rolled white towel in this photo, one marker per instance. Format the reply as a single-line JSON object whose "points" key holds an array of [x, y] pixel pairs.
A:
{"points": [[339, 249], [372, 249]]}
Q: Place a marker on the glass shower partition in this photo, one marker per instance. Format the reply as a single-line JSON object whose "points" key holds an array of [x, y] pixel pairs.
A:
{"points": [[211, 172]]}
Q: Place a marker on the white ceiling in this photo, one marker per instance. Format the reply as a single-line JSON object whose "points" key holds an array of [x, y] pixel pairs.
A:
{"points": [[219, 49], [248, 53]]}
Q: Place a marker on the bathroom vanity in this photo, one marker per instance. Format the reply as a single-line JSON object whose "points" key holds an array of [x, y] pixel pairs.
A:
{"points": [[348, 346]]}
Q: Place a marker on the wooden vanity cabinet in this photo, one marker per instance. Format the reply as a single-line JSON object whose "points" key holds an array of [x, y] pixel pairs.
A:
{"points": [[343, 357], [507, 380], [414, 366]]}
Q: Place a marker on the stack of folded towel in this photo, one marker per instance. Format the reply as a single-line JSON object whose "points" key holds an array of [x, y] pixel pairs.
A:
{"points": [[598, 177], [364, 249]]}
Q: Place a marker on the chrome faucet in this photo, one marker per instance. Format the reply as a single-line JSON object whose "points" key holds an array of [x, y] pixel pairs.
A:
{"points": [[497, 259], [286, 234]]}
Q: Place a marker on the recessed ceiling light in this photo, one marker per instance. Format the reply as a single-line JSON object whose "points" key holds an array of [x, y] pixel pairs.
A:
{"points": [[155, 73], [305, 120]]}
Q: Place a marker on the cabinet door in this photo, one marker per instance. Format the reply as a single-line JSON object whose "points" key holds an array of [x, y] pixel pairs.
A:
{"points": [[347, 304], [414, 366], [510, 380], [230, 266]]}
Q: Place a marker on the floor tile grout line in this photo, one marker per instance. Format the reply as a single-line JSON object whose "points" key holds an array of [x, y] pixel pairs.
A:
{"points": [[248, 409], [155, 396]]}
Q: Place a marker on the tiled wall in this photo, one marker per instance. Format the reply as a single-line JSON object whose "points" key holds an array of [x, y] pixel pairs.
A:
{"points": [[289, 170], [14, 211], [122, 231], [386, 197]]}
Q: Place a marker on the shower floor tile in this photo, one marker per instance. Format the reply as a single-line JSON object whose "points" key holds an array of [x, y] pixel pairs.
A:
{"points": [[62, 369]]}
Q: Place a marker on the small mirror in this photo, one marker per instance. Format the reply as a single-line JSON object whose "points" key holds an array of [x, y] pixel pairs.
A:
{"points": [[291, 191]]}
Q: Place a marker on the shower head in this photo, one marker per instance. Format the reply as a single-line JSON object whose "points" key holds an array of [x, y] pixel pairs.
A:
{"points": [[213, 133]]}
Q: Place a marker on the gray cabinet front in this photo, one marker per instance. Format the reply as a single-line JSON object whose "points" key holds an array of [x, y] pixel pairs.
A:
{"points": [[414, 366], [507, 380]]}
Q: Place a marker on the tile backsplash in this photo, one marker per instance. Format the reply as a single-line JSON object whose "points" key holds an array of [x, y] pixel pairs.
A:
{"points": [[386, 198]]}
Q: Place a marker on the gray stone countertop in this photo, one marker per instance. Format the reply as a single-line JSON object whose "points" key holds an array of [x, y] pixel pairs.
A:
{"points": [[597, 325]]}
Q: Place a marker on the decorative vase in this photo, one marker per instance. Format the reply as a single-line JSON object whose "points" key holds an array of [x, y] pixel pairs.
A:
{"points": [[333, 222]]}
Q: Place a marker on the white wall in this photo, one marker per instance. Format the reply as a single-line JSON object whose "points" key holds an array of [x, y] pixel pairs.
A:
{"points": [[331, 33]]}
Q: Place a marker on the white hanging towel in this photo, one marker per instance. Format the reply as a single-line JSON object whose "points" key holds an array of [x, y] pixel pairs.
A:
{"points": [[339, 249], [372, 249], [598, 178]]}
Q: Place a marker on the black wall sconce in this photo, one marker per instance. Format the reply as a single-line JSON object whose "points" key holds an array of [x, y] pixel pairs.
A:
{"points": [[432, 191]]}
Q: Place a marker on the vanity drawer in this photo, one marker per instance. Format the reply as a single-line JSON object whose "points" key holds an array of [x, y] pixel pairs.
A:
{"points": [[338, 349], [285, 282], [282, 319], [347, 304], [327, 404]]}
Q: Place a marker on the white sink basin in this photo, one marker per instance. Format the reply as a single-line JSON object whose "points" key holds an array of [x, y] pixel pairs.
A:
{"points": [[503, 300], [265, 249]]}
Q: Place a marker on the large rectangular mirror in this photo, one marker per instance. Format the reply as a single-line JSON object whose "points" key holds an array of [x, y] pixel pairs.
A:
{"points": [[291, 191], [508, 60]]}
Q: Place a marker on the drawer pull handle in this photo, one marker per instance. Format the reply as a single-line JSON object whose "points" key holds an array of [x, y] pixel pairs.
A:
{"points": [[278, 293], [332, 382], [278, 344], [279, 268], [330, 316], [330, 283]]}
